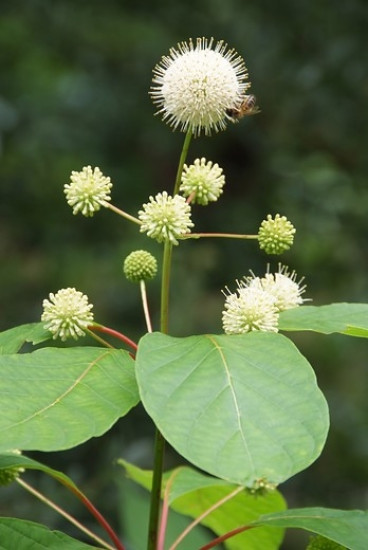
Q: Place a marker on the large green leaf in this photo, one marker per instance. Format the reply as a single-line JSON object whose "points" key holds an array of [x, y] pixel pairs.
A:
{"points": [[19, 534], [351, 319], [346, 527], [13, 339], [54, 399], [193, 493], [241, 407]]}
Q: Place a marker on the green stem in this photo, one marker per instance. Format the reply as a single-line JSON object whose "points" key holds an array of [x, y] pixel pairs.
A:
{"points": [[122, 213], [222, 235], [159, 449], [165, 288], [182, 159], [159, 439], [156, 491]]}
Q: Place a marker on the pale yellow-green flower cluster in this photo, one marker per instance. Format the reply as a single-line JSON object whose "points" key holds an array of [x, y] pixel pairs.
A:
{"points": [[257, 302], [166, 218], [87, 191], [202, 181], [67, 313]]}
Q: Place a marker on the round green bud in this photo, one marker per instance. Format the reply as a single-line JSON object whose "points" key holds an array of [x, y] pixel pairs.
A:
{"points": [[140, 265], [321, 543], [8, 475], [275, 236]]}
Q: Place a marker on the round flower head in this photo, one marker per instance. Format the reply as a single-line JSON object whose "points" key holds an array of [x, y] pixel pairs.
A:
{"points": [[249, 309], [165, 218], [88, 191], [67, 313], [197, 83], [140, 265], [276, 235], [203, 181], [282, 286]]}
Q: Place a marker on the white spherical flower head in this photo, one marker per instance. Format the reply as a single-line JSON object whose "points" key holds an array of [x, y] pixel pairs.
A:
{"points": [[249, 309], [88, 191], [283, 287], [202, 181], [67, 313], [165, 218], [197, 83]]}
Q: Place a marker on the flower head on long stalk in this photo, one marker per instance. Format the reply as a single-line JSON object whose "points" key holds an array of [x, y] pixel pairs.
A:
{"points": [[197, 83], [165, 218]]}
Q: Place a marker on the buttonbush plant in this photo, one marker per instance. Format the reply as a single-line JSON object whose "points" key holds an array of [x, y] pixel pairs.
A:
{"points": [[242, 408]]}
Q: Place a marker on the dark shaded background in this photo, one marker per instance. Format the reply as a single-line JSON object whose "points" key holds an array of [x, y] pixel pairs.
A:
{"points": [[74, 82]]}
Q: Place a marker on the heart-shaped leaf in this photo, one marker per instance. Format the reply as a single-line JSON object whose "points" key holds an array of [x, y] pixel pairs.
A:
{"points": [[241, 407]]}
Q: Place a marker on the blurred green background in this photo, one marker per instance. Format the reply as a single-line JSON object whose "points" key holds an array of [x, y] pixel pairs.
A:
{"points": [[74, 88]]}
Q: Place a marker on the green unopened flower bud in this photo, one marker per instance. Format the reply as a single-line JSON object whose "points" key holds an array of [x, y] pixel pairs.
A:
{"points": [[140, 265], [321, 543], [275, 236], [8, 475]]}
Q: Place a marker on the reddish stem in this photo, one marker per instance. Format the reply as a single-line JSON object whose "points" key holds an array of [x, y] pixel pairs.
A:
{"points": [[115, 333], [228, 535], [99, 517]]}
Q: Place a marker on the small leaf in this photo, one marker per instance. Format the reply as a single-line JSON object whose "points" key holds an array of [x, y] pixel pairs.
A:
{"points": [[346, 527], [54, 399], [350, 319], [193, 493], [13, 339], [241, 407], [19, 534]]}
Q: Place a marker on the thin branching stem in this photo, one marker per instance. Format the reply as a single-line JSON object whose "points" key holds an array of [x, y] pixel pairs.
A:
{"points": [[115, 334], [203, 515], [122, 213], [218, 235], [147, 317], [63, 513]]}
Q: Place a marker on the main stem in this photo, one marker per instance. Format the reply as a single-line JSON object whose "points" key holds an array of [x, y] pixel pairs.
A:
{"points": [[159, 439], [159, 449]]}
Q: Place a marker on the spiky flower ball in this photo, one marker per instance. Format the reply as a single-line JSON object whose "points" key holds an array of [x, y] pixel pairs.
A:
{"points": [[8, 475], [67, 314], [87, 191], [140, 265], [195, 85], [165, 218], [250, 308], [203, 181], [321, 543], [283, 287], [276, 235]]}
